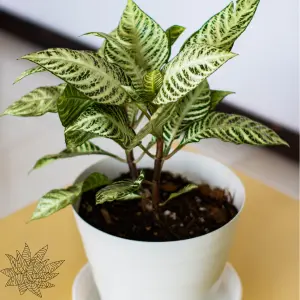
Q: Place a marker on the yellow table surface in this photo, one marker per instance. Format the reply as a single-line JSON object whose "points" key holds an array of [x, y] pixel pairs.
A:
{"points": [[265, 252]]}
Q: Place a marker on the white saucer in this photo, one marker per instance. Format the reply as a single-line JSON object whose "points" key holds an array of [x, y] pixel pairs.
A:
{"points": [[228, 287]]}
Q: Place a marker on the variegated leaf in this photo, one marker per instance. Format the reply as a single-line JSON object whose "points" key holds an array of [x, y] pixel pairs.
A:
{"points": [[155, 126], [188, 69], [86, 148], [184, 190], [152, 83], [28, 72], [173, 33], [143, 38], [231, 128], [71, 104], [115, 52], [87, 72], [95, 180], [102, 48], [194, 106], [217, 97], [58, 199], [39, 256], [120, 190], [100, 121], [132, 111], [224, 28], [36, 103]]}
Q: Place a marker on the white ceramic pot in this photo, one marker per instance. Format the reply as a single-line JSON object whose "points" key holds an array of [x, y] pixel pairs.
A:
{"points": [[181, 270]]}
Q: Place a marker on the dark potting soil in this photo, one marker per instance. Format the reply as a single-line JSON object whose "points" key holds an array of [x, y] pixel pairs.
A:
{"points": [[189, 215]]}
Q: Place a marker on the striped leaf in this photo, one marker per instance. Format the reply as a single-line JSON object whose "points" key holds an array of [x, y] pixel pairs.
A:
{"points": [[29, 72], [71, 104], [115, 52], [102, 48], [152, 83], [231, 128], [120, 190], [93, 181], [224, 28], [58, 199], [217, 97], [188, 69], [194, 106], [173, 33], [86, 71], [184, 190], [36, 103], [143, 38], [100, 121], [87, 148], [132, 111]]}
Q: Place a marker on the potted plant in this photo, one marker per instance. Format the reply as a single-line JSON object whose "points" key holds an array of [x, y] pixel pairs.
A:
{"points": [[158, 226]]}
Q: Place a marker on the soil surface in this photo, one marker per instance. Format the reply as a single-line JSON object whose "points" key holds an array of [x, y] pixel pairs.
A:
{"points": [[189, 215]]}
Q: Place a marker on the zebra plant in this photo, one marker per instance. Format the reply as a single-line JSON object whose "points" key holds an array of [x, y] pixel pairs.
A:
{"points": [[129, 80]]}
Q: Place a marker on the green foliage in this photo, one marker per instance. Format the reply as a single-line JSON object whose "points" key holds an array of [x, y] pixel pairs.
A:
{"points": [[184, 190], [225, 27], [58, 199], [231, 128], [87, 148], [188, 69], [173, 33], [100, 121], [120, 190], [111, 92], [36, 103], [217, 97], [29, 72]]}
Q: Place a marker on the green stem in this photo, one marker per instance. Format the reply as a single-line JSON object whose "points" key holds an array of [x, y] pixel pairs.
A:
{"points": [[143, 111], [146, 151], [174, 152], [137, 123]]}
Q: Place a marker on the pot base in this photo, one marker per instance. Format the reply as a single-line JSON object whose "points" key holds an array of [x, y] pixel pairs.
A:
{"points": [[228, 287]]}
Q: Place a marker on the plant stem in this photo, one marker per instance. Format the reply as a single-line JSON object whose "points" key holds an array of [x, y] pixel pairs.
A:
{"points": [[173, 152], [145, 149], [131, 165], [136, 124], [157, 172]]}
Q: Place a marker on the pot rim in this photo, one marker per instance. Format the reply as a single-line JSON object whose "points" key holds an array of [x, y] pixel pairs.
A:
{"points": [[167, 242]]}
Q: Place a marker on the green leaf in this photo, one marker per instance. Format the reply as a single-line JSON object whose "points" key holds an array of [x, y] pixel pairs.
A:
{"points": [[29, 72], [87, 148], [102, 48], [121, 190], [100, 121], [132, 111], [71, 104], [188, 69], [36, 103], [94, 181], [217, 97], [155, 125], [152, 83], [87, 72], [143, 37], [184, 190], [173, 33], [58, 199], [224, 28], [194, 106], [115, 52], [231, 128]]}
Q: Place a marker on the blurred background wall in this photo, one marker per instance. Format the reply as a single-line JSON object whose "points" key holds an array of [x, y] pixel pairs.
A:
{"points": [[265, 75]]}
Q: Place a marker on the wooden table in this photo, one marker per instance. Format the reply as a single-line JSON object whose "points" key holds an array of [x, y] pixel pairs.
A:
{"points": [[265, 251]]}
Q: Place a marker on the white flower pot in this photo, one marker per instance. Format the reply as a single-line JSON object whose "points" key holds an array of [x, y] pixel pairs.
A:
{"points": [[180, 270]]}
